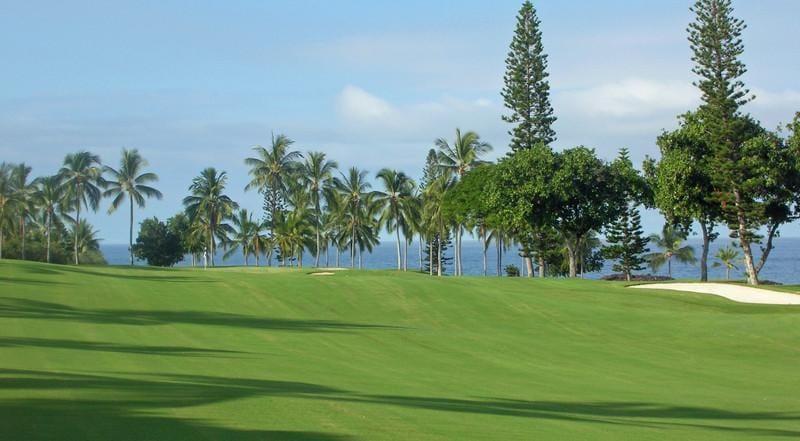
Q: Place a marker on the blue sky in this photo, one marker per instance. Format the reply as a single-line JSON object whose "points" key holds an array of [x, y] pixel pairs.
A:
{"points": [[194, 84]]}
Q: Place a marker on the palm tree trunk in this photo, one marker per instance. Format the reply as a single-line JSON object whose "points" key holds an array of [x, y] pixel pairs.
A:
{"points": [[353, 249], [485, 246], [727, 273], [529, 265], [420, 252], [130, 232], [439, 256], [499, 243], [405, 254], [338, 256], [430, 256], [327, 255], [541, 266], [704, 257], [360, 255], [319, 215], [49, 229], [77, 222], [212, 244], [399, 257], [22, 224], [669, 267]]}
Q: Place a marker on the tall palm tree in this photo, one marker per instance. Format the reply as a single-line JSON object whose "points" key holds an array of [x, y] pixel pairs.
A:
{"points": [[245, 235], [727, 257], [209, 205], [271, 170], [353, 189], [84, 237], [23, 197], [82, 178], [670, 242], [398, 190], [131, 181], [317, 174], [464, 154], [434, 214], [7, 199], [49, 196]]}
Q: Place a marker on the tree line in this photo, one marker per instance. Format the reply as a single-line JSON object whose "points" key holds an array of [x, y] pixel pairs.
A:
{"points": [[720, 167]]}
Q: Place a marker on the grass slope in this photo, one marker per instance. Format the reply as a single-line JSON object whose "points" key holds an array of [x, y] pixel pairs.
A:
{"points": [[244, 354]]}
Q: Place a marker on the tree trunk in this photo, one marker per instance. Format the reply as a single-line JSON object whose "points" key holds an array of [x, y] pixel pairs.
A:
{"points": [[316, 261], [773, 229], [399, 254], [704, 257], [49, 229], [405, 254], [485, 245], [573, 259], [499, 246], [77, 222], [439, 256], [130, 232], [22, 224], [430, 256], [541, 266], [338, 257], [459, 267], [420, 252], [727, 273], [360, 255], [669, 267], [213, 249], [529, 266], [327, 255], [744, 240]]}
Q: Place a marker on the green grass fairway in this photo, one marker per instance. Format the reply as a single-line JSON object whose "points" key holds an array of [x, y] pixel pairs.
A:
{"points": [[254, 354]]}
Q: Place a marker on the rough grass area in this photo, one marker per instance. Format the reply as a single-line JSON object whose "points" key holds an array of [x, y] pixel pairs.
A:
{"points": [[249, 354]]}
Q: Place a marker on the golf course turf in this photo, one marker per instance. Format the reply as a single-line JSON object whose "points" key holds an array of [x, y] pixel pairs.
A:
{"points": [[110, 353]]}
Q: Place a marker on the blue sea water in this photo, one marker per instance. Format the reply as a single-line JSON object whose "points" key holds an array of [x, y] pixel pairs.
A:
{"points": [[782, 266]]}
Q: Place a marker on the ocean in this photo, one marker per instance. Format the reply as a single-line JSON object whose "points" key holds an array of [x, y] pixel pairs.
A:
{"points": [[783, 265]]}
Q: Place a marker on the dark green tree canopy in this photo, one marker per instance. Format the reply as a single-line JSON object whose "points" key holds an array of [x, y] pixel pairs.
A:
{"points": [[158, 244]]}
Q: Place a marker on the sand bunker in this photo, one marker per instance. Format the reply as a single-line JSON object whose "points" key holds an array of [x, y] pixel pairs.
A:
{"points": [[737, 293], [323, 273]]}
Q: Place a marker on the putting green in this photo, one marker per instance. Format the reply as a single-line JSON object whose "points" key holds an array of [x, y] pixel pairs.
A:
{"points": [[96, 353]]}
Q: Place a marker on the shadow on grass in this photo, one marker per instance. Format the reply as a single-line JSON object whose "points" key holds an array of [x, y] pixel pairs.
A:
{"points": [[109, 406], [105, 407], [11, 307], [183, 351], [145, 274], [31, 281]]}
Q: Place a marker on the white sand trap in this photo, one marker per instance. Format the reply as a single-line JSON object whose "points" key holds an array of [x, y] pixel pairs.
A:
{"points": [[323, 273], [737, 293]]}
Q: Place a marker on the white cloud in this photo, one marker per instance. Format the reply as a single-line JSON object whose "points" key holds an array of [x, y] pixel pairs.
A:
{"points": [[367, 115], [357, 105], [633, 97]]}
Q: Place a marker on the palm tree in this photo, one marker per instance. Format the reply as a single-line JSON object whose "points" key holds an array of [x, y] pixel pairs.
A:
{"points": [[271, 170], [317, 174], [49, 196], [353, 189], [130, 180], [209, 206], [23, 197], [398, 190], [245, 235], [7, 199], [727, 257], [82, 178], [457, 159], [436, 220], [670, 242], [84, 237]]}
